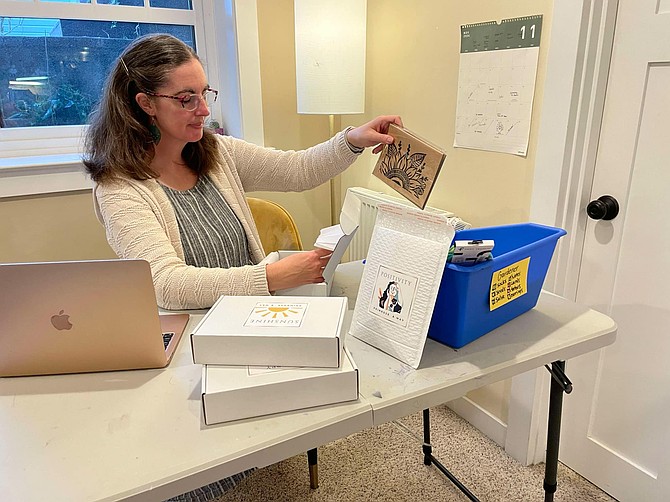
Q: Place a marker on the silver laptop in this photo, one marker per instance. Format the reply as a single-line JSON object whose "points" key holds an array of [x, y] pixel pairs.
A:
{"points": [[82, 316]]}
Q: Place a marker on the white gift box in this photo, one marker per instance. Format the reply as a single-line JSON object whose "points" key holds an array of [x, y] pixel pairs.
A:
{"points": [[271, 331], [238, 392]]}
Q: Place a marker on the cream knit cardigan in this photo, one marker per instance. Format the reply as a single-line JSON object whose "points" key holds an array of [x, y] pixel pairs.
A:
{"points": [[140, 222]]}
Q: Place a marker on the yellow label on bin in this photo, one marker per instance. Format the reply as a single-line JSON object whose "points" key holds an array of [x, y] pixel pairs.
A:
{"points": [[508, 284]]}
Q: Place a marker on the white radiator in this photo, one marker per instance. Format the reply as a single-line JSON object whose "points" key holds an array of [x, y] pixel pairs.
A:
{"points": [[358, 248]]}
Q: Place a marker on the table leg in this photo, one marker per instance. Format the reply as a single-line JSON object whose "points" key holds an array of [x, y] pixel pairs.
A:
{"points": [[313, 468], [559, 384], [427, 448], [429, 459]]}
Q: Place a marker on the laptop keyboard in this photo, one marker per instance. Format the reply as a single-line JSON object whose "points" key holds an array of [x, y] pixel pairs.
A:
{"points": [[167, 337]]}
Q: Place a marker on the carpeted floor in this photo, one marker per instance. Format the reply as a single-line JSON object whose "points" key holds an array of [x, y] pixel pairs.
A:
{"points": [[386, 463]]}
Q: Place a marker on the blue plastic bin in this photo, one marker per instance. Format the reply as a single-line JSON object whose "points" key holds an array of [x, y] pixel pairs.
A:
{"points": [[462, 312]]}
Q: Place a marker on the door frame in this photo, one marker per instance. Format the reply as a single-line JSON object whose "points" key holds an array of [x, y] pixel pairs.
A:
{"points": [[578, 61]]}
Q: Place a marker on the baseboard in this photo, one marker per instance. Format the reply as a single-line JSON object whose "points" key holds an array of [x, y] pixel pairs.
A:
{"points": [[491, 426]]}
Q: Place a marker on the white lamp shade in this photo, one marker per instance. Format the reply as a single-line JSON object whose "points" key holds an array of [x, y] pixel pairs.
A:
{"points": [[330, 56]]}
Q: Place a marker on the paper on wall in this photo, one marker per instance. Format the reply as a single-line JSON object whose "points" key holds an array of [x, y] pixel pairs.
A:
{"points": [[496, 84], [403, 270]]}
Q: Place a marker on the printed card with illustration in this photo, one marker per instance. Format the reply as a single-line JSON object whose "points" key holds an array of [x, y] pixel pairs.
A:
{"points": [[410, 165], [394, 295], [402, 275]]}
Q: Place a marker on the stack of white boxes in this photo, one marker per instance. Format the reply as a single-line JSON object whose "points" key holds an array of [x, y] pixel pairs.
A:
{"points": [[264, 355]]}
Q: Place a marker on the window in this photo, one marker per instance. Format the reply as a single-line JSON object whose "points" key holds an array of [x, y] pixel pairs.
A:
{"points": [[52, 71], [41, 159], [55, 56]]}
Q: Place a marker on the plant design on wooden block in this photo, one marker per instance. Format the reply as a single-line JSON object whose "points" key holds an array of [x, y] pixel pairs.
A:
{"points": [[405, 169], [409, 165]]}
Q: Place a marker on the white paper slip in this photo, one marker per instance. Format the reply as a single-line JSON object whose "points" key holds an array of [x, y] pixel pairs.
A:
{"points": [[329, 237]]}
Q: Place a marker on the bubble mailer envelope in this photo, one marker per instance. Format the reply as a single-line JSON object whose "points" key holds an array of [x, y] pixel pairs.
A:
{"points": [[403, 270]]}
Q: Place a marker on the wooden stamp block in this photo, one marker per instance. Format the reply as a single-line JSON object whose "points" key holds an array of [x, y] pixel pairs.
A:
{"points": [[410, 165]]}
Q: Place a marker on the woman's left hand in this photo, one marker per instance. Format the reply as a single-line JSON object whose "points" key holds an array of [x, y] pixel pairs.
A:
{"points": [[374, 133]]}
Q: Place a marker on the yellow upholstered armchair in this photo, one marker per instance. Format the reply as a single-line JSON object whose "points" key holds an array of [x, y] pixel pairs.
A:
{"points": [[275, 226]]}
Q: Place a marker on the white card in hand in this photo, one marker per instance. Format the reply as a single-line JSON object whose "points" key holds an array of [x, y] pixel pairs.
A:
{"points": [[329, 237]]}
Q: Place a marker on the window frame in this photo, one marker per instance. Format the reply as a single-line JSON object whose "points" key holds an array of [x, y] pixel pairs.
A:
{"points": [[48, 159], [16, 141]]}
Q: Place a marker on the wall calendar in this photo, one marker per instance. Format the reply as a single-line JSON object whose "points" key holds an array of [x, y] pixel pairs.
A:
{"points": [[496, 84]]}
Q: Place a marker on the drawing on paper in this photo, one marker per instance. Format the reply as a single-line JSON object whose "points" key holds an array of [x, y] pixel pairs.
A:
{"points": [[390, 299]]}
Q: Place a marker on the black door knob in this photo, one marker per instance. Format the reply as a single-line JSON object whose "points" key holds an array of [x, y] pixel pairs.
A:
{"points": [[604, 208]]}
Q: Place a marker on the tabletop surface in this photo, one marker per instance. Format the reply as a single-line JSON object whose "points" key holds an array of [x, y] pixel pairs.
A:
{"points": [[140, 434], [556, 329], [112, 435]]}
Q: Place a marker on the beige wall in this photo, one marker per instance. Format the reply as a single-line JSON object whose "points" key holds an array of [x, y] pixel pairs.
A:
{"points": [[51, 228], [412, 70], [284, 128]]}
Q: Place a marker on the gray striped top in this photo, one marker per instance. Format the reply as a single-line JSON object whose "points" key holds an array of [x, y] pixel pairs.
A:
{"points": [[211, 234]]}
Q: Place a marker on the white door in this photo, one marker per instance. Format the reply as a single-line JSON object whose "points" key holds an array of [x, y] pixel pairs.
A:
{"points": [[616, 430]]}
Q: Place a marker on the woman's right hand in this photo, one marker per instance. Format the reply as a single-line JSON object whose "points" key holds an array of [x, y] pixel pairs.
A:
{"points": [[297, 269]]}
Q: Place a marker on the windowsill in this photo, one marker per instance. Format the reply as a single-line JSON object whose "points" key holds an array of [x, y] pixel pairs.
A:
{"points": [[21, 176]]}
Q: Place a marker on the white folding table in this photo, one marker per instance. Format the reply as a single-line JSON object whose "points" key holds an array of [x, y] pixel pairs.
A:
{"points": [[555, 330], [139, 435]]}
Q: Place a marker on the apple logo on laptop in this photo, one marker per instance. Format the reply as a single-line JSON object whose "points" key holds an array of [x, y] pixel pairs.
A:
{"points": [[61, 321]]}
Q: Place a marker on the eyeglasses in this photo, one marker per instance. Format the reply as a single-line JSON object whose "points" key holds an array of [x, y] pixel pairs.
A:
{"points": [[191, 102]]}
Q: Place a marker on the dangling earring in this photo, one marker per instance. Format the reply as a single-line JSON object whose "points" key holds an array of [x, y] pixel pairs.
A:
{"points": [[155, 131]]}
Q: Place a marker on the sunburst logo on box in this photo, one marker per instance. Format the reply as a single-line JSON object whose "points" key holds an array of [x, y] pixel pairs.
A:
{"points": [[277, 314]]}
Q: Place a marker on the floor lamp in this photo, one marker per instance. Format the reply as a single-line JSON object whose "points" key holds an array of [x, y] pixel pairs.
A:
{"points": [[330, 64]]}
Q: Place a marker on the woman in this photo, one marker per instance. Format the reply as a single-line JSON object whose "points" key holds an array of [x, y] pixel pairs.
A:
{"points": [[173, 193], [390, 298]]}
